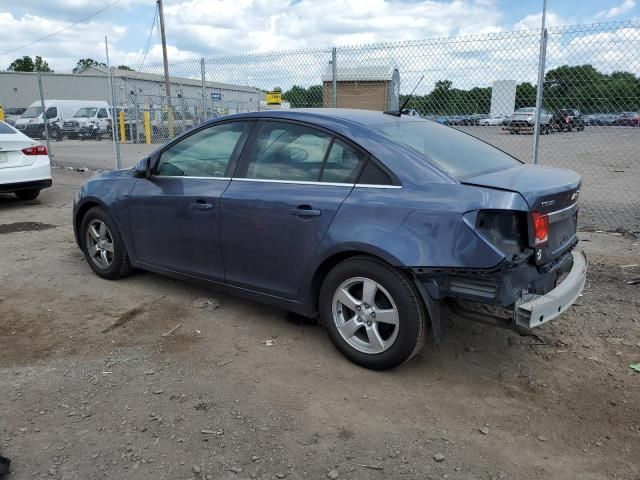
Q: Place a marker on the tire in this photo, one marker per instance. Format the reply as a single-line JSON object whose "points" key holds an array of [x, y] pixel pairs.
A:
{"points": [[370, 342], [114, 264], [27, 194]]}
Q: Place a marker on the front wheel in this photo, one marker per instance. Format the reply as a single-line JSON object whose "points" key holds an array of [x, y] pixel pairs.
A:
{"points": [[102, 245], [373, 313]]}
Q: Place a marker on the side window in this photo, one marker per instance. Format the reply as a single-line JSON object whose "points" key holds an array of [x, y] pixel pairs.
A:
{"points": [[286, 151], [372, 174], [52, 112], [206, 153], [343, 163], [102, 113]]}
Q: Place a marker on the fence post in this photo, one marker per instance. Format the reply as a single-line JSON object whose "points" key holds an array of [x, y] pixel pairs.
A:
{"points": [[114, 115], [44, 115], [540, 86], [204, 90], [334, 77]]}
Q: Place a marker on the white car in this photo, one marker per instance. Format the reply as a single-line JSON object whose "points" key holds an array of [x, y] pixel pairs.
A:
{"points": [[25, 168], [491, 121]]}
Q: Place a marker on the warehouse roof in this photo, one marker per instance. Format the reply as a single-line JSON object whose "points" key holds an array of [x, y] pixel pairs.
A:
{"points": [[379, 72], [154, 77]]}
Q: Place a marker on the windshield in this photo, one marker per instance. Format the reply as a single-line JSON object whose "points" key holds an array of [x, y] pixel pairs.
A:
{"points": [[32, 112], [86, 112], [457, 153]]}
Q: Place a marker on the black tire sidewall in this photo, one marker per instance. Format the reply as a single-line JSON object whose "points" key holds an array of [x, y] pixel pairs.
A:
{"points": [[27, 194], [405, 297], [119, 256]]}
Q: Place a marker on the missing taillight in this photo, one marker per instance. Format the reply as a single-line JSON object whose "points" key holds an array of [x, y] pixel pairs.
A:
{"points": [[540, 227], [35, 150], [505, 229]]}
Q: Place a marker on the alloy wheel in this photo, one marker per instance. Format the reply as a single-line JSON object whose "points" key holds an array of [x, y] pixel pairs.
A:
{"points": [[365, 315], [99, 244]]}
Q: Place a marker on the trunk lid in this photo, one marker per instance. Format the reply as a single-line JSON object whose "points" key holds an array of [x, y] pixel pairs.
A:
{"points": [[10, 151], [547, 190]]}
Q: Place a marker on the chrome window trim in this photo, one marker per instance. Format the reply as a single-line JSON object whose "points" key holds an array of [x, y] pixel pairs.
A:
{"points": [[188, 176], [307, 182], [370, 185]]}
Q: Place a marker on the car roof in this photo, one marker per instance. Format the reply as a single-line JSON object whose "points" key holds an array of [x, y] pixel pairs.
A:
{"points": [[338, 115]]}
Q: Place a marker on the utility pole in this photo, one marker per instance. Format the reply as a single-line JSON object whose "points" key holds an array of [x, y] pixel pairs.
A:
{"points": [[167, 85]]}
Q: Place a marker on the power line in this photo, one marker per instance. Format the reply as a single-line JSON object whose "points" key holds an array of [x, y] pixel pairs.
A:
{"points": [[146, 48], [61, 30]]}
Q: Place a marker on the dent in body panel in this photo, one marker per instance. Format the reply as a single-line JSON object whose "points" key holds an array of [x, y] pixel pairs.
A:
{"points": [[410, 229]]}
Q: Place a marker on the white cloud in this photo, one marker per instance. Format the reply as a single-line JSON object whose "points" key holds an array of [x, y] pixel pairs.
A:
{"points": [[534, 20], [60, 51], [625, 7]]}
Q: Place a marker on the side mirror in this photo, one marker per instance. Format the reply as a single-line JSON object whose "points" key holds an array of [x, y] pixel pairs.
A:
{"points": [[143, 168]]}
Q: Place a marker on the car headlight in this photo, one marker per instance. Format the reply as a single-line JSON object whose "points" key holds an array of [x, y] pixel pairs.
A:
{"points": [[33, 120]]}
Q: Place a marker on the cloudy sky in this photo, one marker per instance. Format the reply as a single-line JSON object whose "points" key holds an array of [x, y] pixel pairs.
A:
{"points": [[213, 27]]}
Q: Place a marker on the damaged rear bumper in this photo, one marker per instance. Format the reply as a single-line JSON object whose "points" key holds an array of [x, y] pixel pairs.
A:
{"points": [[519, 296], [539, 309]]}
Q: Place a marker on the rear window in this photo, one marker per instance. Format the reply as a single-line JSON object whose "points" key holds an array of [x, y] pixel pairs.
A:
{"points": [[4, 129], [457, 153]]}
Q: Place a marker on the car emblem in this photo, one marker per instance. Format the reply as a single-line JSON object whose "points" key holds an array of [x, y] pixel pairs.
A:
{"points": [[548, 203]]}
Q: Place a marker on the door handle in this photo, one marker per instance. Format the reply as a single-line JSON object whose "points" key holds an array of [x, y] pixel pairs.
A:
{"points": [[201, 205], [305, 211]]}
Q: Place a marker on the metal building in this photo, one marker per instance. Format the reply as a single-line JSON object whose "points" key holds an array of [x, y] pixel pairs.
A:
{"points": [[370, 87]]}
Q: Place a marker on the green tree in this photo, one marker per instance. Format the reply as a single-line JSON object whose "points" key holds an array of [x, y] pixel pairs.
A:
{"points": [[27, 64], [300, 97], [84, 63]]}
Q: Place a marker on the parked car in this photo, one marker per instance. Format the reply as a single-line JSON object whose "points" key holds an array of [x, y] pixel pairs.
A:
{"points": [[368, 220], [600, 119], [627, 119], [25, 168], [12, 114], [567, 119], [31, 123], [492, 121], [411, 112], [182, 121], [89, 121], [523, 121]]}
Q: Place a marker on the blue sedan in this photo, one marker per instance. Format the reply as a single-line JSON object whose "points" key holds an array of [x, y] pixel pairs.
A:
{"points": [[369, 221]]}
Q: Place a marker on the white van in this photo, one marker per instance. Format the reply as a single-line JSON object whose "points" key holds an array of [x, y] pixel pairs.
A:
{"points": [[31, 123], [90, 121]]}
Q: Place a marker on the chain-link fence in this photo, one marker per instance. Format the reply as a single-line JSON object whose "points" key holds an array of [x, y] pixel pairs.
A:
{"points": [[485, 85]]}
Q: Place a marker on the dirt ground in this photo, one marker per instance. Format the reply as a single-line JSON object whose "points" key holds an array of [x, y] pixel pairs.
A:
{"points": [[93, 386]]}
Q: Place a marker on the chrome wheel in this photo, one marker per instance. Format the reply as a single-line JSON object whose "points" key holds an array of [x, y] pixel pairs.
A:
{"points": [[365, 315], [99, 243]]}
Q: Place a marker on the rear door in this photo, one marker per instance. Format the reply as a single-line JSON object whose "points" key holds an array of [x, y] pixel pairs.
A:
{"points": [[286, 191], [175, 213]]}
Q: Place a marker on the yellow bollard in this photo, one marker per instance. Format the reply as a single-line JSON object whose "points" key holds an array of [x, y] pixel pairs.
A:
{"points": [[147, 128], [1, 114], [123, 136]]}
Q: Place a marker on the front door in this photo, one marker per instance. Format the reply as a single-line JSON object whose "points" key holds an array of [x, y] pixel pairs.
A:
{"points": [[175, 213], [287, 189]]}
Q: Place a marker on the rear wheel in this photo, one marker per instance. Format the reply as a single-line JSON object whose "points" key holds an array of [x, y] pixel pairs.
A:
{"points": [[27, 194], [103, 246], [373, 313]]}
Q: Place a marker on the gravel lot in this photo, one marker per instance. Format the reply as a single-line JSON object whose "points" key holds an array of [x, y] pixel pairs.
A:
{"points": [[606, 157], [91, 388]]}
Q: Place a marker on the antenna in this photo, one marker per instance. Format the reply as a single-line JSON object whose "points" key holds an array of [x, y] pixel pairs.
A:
{"points": [[399, 112]]}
